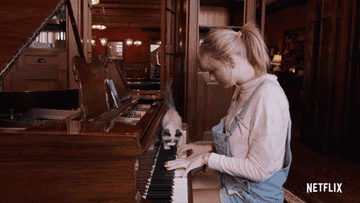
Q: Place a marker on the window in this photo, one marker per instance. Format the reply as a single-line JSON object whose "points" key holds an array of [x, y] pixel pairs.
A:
{"points": [[119, 48], [115, 50]]}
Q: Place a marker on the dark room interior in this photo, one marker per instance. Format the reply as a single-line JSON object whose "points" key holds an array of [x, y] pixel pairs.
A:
{"points": [[83, 90]]}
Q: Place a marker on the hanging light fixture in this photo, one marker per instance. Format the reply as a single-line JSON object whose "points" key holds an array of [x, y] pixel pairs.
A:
{"points": [[99, 27], [95, 2]]}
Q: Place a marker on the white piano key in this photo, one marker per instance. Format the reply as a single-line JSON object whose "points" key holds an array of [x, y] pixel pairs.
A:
{"points": [[180, 190]]}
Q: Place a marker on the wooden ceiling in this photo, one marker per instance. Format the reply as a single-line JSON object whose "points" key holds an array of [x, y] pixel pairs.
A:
{"points": [[147, 13], [123, 13]]}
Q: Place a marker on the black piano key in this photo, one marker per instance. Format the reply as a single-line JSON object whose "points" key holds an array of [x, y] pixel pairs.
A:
{"points": [[161, 185], [146, 162]]}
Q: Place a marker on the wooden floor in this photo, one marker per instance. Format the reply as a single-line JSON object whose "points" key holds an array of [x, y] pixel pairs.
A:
{"points": [[205, 188], [307, 167]]}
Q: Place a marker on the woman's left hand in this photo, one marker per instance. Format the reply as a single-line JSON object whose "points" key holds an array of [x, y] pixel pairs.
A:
{"points": [[189, 163]]}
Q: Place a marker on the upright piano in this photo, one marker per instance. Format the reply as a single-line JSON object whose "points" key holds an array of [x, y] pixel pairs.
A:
{"points": [[99, 143]]}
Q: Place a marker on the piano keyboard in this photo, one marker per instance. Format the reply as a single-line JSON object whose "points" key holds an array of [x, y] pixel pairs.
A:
{"points": [[133, 114], [164, 185], [155, 183]]}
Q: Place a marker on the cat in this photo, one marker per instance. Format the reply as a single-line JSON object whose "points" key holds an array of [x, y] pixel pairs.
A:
{"points": [[171, 122]]}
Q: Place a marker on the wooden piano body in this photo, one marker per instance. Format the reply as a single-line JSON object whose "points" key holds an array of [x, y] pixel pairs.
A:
{"points": [[74, 145]]}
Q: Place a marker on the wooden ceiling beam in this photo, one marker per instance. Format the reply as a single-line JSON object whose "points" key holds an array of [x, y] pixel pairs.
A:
{"points": [[131, 1], [126, 13], [128, 6], [127, 21], [117, 19]]}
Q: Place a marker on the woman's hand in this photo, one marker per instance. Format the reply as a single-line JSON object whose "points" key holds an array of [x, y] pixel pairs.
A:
{"points": [[194, 148], [189, 163]]}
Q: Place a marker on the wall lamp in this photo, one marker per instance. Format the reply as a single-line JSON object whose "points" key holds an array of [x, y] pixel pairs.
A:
{"points": [[103, 41], [137, 43], [129, 42]]}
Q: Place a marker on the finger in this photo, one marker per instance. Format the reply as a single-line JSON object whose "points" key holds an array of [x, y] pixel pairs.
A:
{"points": [[170, 164], [183, 151], [174, 161], [169, 168], [175, 165], [181, 148], [185, 173]]}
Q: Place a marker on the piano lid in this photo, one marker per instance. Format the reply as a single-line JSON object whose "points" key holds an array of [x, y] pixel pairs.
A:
{"points": [[21, 21]]}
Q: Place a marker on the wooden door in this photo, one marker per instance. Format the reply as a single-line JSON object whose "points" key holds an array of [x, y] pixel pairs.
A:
{"points": [[207, 101]]}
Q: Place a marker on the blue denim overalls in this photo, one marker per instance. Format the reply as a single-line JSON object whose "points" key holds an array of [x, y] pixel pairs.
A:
{"points": [[241, 189]]}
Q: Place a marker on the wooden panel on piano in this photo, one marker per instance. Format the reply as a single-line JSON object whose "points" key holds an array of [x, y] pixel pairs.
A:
{"points": [[94, 97], [65, 167]]}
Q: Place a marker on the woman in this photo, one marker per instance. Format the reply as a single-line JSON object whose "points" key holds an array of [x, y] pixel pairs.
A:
{"points": [[251, 147]]}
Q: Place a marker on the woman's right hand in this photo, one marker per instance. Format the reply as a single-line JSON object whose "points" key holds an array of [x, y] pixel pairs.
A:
{"points": [[194, 148]]}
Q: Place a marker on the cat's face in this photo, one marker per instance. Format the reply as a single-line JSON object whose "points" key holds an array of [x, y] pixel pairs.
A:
{"points": [[171, 135]]}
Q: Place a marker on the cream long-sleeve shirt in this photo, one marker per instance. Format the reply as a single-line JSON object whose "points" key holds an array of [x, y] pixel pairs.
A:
{"points": [[258, 142]]}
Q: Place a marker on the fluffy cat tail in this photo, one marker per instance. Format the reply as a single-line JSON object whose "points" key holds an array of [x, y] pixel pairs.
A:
{"points": [[169, 99]]}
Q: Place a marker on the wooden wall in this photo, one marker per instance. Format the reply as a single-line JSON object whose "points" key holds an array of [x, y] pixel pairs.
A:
{"points": [[331, 86], [283, 20], [213, 103], [133, 54]]}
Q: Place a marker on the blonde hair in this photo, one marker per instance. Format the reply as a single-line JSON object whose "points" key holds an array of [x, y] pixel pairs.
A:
{"points": [[221, 44]]}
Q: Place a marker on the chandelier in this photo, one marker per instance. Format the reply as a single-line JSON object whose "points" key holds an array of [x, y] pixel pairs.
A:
{"points": [[95, 2], [99, 27]]}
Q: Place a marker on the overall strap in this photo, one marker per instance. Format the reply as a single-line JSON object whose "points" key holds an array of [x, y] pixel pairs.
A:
{"points": [[240, 115]]}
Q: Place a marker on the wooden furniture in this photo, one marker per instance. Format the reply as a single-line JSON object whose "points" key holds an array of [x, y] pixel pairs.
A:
{"points": [[39, 70], [294, 45], [85, 145]]}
